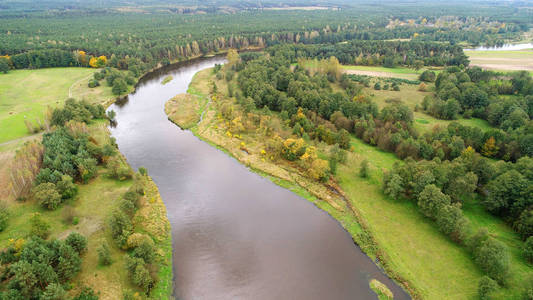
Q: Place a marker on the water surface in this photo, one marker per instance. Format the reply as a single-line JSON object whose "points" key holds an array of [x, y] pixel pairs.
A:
{"points": [[504, 47], [235, 234]]}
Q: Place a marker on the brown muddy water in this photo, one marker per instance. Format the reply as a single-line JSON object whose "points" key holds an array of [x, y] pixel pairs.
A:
{"points": [[236, 235]]}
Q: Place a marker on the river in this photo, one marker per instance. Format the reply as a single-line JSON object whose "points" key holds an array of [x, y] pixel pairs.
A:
{"points": [[236, 235], [504, 47]]}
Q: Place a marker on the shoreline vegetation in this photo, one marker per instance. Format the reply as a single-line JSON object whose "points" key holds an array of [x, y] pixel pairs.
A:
{"points": [[87, 213], [109, 282], [408, 246], [167, 80], [150, 219]]}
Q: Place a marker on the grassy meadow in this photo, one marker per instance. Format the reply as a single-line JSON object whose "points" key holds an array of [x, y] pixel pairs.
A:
{"points": [[412, 97], [25, 94], [415, 242]]}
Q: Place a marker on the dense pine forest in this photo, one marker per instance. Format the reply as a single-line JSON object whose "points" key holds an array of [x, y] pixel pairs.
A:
{"points": [[343, 96]]}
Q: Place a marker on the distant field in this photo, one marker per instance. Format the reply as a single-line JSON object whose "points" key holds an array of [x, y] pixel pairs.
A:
{"points": [[300, 8], [397, 72], [502, 60], [27, 93]]}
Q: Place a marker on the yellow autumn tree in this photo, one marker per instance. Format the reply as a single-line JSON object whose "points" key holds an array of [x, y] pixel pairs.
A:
{"points": [[81, 57], [468, 152], [319, 169], [490, 148], [101, 61], [293, 148], [93, 62]]}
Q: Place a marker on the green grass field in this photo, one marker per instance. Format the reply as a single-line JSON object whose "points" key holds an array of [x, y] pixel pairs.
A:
{"points": [[396, 70], [25, 94], [417, 250], [424, 122]]}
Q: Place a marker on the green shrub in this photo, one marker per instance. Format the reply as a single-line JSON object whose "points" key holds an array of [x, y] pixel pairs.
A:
{"points": [[143, 171], [69, 262], [4, 215], [66, 187], [54, 291], [528, 249], [93, 83], [77, 241], [363, 169], [39, 227], [427, 76], [121, 227], [145, 251], [86, 293], [486, 287], [47, 195], [138, 272], [493, 258], [38, 269], [141, 277], [119, 86], [431, 201], [452, 222], [104, 255]]}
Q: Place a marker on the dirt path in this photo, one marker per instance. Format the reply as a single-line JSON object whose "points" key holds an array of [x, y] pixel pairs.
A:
{"points": [[70, 88], [22, 139]]}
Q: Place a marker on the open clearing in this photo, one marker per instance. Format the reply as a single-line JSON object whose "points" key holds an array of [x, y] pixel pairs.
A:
{"points": [[382, 71], [411, 96], [502, 60], [25, 94]]}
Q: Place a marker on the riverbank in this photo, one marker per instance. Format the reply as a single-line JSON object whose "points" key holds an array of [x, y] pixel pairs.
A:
{"points": [[243, 147], [406, 243], [88, 213]]}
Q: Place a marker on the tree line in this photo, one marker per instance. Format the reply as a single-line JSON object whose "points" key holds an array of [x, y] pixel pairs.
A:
{"points": [[385, 53]]}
